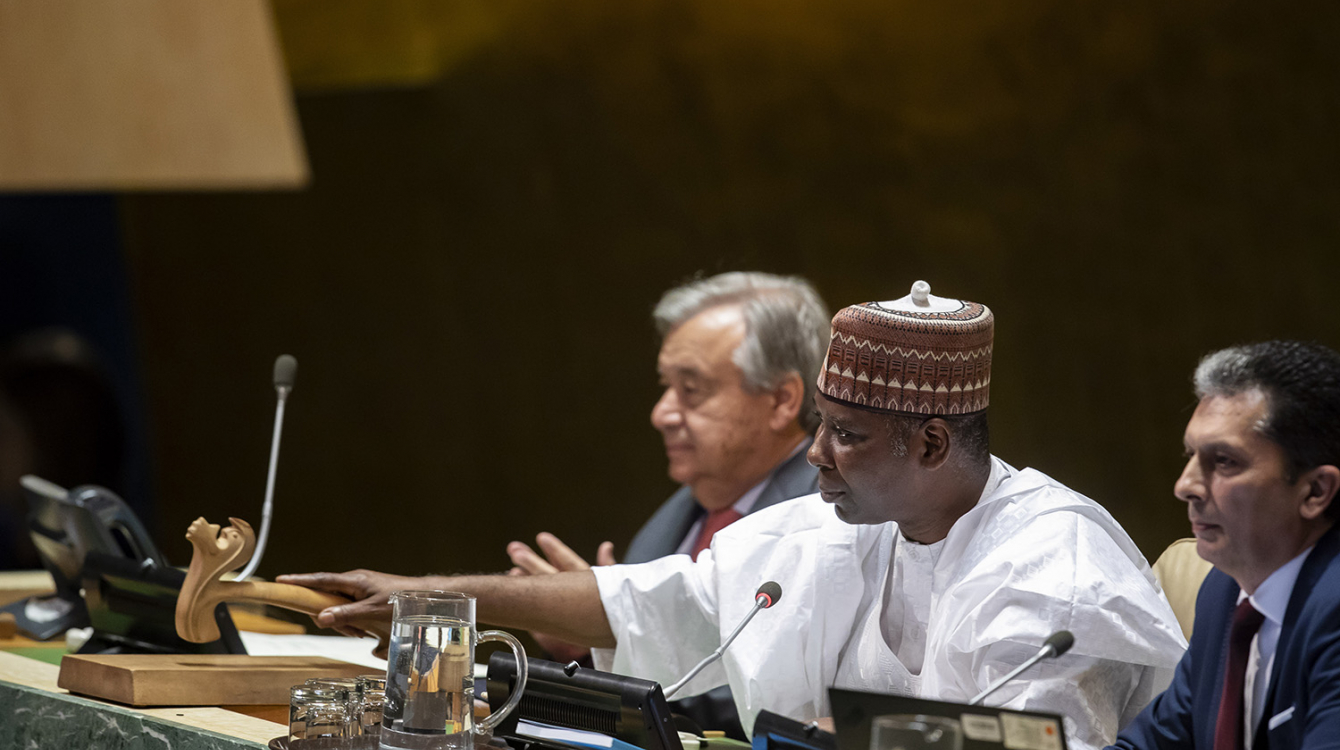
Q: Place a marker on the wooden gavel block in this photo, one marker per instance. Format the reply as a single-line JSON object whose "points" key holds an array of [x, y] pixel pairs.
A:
{"points": [[219, 551]]}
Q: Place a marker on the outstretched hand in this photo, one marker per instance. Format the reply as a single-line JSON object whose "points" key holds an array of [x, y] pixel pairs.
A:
{"points": [[369, 614], [558, 556]]}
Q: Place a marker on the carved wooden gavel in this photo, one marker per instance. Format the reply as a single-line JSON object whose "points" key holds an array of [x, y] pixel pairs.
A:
{"points": [[219, 551]]}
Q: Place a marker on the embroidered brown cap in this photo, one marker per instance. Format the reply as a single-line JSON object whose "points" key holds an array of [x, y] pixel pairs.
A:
{"points": [[921, 354]]}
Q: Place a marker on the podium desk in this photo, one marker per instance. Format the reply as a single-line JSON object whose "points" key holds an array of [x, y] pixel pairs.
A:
{"points": [[37, 715]]}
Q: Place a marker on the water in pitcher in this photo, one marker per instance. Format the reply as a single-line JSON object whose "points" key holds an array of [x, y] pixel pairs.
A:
{"points": [[430, 684]]}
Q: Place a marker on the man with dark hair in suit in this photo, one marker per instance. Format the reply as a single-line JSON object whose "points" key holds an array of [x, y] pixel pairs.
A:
{"points": [[1263, 448], [738, 358]]}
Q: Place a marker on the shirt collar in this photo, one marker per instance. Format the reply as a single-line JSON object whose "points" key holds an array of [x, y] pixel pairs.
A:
{"points": [[747, 500], [1000, 471], [1272, 596]]}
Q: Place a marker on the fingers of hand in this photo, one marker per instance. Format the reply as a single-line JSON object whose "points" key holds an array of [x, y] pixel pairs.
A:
{"points": [[351, 632], [517, 551], [560, 555], [525, 558], [296, 579], [329, 618], [605, 554], [350, 584], [357, 614]]}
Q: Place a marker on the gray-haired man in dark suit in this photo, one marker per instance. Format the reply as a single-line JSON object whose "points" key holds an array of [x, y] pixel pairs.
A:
{"points": [[739, 356]]}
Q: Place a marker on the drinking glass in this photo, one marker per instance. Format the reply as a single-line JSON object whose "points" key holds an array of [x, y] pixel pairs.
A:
{"points": [[367, 714], [317, 712]]}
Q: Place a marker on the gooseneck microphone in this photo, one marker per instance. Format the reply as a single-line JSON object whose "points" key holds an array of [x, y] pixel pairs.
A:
{"points": [[286, 368], [1056, 644], [767, 595]]}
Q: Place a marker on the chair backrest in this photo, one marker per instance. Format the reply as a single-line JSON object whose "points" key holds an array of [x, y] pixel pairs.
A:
{"points": [[1180, 572]]}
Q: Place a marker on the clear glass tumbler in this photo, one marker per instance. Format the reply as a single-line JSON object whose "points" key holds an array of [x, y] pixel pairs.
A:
{"points": [[367, 713], [316, 711]]}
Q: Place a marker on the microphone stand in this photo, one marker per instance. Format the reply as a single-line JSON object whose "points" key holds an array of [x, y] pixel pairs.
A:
{"points": [[761, 602], [268, 508], [1056, 645]]}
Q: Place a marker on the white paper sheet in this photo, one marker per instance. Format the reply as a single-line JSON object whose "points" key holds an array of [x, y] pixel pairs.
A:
{"points": [[352, 650]]}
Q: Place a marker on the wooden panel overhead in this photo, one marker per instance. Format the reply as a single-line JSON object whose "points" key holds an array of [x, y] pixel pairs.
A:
{"points": [[144, 94]]}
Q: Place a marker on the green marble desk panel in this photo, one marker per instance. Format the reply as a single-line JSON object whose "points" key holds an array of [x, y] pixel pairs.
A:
{"points": [[37, 715]]}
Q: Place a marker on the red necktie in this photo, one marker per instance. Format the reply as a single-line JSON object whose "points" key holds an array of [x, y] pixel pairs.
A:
{"points": [[714, 521], [1228, 729]]}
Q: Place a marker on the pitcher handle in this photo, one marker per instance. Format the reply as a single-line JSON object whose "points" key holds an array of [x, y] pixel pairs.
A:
{"points": [[522, 672]]}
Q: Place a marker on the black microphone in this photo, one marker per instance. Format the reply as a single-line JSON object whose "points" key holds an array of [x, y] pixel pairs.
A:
{"points": [[1056, 644], [771, 591], [767, 595], [286, 369]]}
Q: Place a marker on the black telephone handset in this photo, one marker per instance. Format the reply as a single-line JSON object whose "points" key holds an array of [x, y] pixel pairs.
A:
{"points": [[65, 526]]}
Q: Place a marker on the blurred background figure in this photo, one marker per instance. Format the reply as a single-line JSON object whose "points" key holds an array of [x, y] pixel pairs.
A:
{"points": [[59, 419]]}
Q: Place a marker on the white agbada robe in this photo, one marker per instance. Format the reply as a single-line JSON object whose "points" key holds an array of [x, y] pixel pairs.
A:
{"points": [[1032, 557]]}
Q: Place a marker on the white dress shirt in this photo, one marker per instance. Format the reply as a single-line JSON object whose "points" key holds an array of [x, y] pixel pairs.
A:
{"points": [[1271, 599]]}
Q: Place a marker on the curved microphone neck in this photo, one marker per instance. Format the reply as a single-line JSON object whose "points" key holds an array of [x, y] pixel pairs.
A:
{"points": [[767, 595]]}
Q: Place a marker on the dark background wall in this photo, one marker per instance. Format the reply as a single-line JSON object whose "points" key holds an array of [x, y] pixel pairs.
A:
{"points": [[466, 284]]}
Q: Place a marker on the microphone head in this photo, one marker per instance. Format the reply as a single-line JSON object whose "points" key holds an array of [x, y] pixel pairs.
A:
{"points": [[771, 591], [286, 367], [1060, 642]]}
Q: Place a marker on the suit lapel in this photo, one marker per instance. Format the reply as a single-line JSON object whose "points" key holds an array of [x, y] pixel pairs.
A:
{"points": [[1308, 578], [687, 512], [663, 532]]}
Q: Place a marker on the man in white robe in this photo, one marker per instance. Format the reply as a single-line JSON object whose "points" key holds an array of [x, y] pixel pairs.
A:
{"points": [[863, 607], [924, 567]]}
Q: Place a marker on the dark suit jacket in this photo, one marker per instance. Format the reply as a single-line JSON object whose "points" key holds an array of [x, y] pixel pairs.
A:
{"points": [[662, 534], [1303, 698]]}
